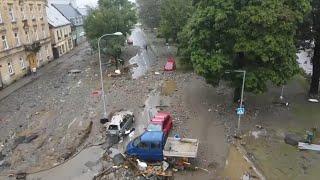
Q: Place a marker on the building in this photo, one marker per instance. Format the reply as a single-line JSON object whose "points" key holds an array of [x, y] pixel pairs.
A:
{"points": [[60, 30], [25, 38], [76, 19]]}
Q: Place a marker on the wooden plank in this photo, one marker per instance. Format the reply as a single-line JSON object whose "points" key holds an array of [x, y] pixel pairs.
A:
{"points": [[306, 146]]}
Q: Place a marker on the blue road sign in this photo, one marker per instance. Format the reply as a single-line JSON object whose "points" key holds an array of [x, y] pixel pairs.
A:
{"points": [[240, 111]]}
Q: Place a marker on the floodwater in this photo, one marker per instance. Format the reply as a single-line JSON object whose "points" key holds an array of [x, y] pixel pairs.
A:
{"points": [[236, 165], [84, 166], [144, 58]]}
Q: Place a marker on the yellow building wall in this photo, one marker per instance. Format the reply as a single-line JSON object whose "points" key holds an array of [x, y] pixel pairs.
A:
{"points": [[29, 21]]}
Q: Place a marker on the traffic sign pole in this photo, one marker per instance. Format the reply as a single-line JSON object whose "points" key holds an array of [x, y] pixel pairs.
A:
{"points": [[241, 100]]}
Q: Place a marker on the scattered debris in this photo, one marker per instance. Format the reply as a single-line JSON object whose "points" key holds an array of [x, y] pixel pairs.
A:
{"points": [[165, 165], [259, 127], [21, 175], [74, 71], [117, 71], [30, 138], [118, 159], [292, 139], [306, 146], [156, 73], [142, 165], [104, 120], [313, 100]]}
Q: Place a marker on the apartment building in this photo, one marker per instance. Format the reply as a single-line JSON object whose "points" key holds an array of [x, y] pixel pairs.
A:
{"points": [[25, 38], [76, 19], [60, 30]]}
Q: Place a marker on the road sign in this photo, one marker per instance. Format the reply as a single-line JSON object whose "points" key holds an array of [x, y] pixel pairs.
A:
{"points": [[240, 111]]}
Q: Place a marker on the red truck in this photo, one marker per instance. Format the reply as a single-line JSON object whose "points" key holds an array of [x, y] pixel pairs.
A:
{"points": [[162, 121]]}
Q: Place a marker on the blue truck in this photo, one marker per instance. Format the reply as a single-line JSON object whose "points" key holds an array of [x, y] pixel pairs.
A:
{"points": [[154, 146]]}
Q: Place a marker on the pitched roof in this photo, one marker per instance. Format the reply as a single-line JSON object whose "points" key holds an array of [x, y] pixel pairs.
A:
{"points": [[67, 10], [55, 18]]}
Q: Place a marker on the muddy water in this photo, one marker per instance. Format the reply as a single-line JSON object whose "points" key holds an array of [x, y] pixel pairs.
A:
{"points": [[84, 166], [236, 165], [169, 87], [144, 59]]}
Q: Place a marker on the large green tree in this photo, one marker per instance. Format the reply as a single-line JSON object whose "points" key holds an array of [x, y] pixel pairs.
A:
{"points": [[174, 16], [110, 16], [149, 12], [251, 35]]}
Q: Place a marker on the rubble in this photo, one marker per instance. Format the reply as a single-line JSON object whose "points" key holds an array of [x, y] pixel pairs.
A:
{"points": [[292, 139]]}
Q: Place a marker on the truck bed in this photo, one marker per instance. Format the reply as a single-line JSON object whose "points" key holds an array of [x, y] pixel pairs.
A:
{"points": [[181, 148]]}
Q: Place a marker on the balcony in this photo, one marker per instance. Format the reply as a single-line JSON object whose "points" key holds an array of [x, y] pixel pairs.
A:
{"points": [[34, 47]]}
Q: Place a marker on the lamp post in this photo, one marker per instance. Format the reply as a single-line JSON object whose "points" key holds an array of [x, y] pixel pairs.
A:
{"points": [[242, 90], [101, 74]]}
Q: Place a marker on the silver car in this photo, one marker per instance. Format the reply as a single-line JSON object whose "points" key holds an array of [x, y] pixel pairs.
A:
{"points": [[120, 123]]}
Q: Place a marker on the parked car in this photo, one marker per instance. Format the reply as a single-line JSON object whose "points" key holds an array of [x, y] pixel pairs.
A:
{"points": [[120, 123], [170, 65], [162, 121], [154, 146]]}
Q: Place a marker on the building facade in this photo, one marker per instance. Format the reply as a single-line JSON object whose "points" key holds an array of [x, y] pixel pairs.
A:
{"points": [[76, 19], [60, 30], [25, 38]]}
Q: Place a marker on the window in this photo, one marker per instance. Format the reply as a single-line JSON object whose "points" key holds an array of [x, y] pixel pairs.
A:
{"points": [[23, 13], [124, 121], [22, 64], [44, 32], [31, 10], [39, 8], [36, 32], [136, 141], [31, 35], [16, 37], [11, 13], [4, 42], [47, 50], [143, 145], [10, 68], [27, 36], [0, 17], [70, 44], [63, 49], [155, 145]]}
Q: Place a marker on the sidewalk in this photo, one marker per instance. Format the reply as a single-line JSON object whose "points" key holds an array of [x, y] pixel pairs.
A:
{"points": [[30, 78]]}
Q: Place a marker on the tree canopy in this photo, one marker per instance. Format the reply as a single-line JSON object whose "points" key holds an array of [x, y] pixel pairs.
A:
{"points": [[110, 16], [256, 36], [149, 12], [174, 16]]}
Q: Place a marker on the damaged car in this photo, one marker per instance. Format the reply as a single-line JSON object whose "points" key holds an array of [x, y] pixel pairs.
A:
{"points": [[120, 123]]}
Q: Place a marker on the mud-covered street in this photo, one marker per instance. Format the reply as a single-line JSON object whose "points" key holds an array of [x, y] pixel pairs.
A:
{"points": [[49, 120]]}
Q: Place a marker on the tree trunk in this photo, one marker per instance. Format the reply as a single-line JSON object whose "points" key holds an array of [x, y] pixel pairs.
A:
{"points": [[236, 94], [314, 86]]}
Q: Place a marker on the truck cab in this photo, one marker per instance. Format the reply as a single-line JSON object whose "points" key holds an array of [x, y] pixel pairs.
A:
{"points": [[148, 146]]}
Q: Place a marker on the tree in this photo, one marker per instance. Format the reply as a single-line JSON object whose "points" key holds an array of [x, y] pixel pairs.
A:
{"points": [[256, 36], [110, 16], [174, 15], [309, 37], [149, 12]]}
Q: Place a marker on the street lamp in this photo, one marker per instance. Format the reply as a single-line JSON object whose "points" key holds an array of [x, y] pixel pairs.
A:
{"points": [[101, 75], [242, 90]]}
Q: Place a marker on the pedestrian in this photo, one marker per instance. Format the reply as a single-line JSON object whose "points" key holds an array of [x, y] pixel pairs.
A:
{"points": [[34, 71]]}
